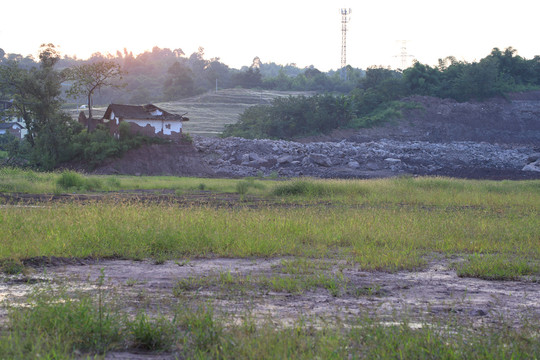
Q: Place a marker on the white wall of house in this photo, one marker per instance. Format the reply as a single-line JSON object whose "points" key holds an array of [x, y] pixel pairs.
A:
{"points": [[168, 127]]}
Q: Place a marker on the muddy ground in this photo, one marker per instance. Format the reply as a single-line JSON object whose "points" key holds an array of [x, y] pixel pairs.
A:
{"points": [[234, 287], [237, 288]]}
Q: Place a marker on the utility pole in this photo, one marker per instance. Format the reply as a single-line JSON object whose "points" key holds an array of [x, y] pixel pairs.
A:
{"points": [[345, 17]]}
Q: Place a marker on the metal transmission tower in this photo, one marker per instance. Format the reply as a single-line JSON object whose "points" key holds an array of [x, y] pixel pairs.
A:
{"points": [[345, 17], [403, 55]]}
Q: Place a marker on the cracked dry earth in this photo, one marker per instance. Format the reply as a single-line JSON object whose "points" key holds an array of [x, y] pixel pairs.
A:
{"points": [[435, 291]]}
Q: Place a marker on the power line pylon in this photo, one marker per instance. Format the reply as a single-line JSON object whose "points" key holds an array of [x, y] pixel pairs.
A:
{"points": [[403, 55]]}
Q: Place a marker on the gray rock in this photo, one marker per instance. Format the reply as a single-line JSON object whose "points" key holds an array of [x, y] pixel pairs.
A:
{"points": [[245, 158], [477, 312], [372, 166], [533, 158], [321, 160], [534, 166], [284, 159], [353, 164], [392, 160]]}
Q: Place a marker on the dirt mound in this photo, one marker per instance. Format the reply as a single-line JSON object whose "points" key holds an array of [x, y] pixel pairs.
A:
{"points": [[168, 159], [515, 120], [495, 139]]}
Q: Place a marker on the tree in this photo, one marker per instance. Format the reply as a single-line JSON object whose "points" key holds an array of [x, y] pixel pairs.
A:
{"points": [[36, 98], [180, 83], [88, 78]]}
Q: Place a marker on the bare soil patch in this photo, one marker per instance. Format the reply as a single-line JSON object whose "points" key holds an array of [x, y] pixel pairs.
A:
{"points": [[435, 291]]}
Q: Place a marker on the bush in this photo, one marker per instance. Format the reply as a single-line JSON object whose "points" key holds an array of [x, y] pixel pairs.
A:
{"points": [[70, 179], [301, 187], [73, 180]]}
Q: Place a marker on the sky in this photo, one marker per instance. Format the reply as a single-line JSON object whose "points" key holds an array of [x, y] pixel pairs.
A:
{"points": [[303, 32]]}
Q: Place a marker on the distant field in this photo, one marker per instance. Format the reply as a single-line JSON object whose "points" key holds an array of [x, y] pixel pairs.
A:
{"points": [[210, 112]]}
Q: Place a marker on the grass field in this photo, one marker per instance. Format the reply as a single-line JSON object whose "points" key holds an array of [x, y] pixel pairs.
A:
{"points": [[324, 232]]}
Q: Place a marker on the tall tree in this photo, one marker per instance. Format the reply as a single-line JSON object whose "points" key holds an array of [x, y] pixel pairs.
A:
{"points": [[88, 78], [36, 98]]}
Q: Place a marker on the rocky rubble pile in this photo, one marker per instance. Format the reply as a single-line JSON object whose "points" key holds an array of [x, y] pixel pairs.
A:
{"points": [[237, 157]]}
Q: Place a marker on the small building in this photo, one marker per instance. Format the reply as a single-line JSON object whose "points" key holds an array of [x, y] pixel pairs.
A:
{"points": [[9, 122], [146, 120], [5, 114], [12, 128]]}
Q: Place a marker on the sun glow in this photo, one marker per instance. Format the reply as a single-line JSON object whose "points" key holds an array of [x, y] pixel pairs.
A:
{"points": [[302, 32]]}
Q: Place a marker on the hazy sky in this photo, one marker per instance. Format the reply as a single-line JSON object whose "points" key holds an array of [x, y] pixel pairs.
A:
{"points": [[304, 32]]}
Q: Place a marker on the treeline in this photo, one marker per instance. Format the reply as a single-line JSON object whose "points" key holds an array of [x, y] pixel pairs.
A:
{"points": [[375, 96], [168, 75]]}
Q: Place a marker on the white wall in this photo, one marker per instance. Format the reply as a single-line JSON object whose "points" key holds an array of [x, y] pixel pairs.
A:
{"points": [[175, 126]]}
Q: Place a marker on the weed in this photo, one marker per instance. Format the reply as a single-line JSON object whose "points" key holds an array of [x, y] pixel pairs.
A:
{"points": [[11, 267], [92, 184], [202, 330], [186, 262], [70, 179], [113, 182], [242, 187], [156, 334], [189, 284], [57, 324]]}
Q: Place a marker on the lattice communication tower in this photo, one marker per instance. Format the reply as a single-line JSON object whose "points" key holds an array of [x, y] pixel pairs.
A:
{"points": [[345, 17]]}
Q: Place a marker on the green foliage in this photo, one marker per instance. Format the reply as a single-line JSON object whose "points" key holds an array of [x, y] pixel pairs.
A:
{"points": [[243, 186], [373, 99], [293, 116], [37, 100], [157, 334], [94, 147], [180, 84], [57, 325], [70, 179], [204, 332], [87, 78], [11, 266], [15, 151], [301, 188], [383, 113], [495, 267], [186, 138], [75, 181], [247, 79]]}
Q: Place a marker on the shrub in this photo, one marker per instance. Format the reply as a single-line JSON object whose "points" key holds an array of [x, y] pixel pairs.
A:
{"points": [[70, 179]]}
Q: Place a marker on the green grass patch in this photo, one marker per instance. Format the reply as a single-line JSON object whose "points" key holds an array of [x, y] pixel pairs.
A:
{"points": [[62, 327], [496, 267], [293, 284], [388, 224], [386, 237], [57, 325]]}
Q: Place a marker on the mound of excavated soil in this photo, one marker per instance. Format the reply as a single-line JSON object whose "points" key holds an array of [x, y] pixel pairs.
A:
{"points": [[515, 120], [168, 159], [495, 139]]}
